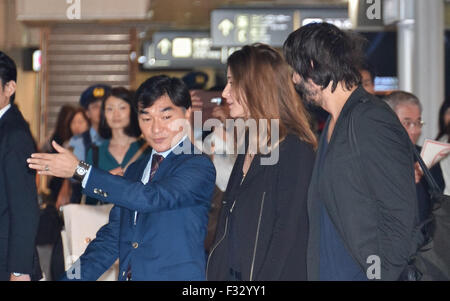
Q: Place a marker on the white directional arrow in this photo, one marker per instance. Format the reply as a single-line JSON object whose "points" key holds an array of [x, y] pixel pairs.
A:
{"points": [[242, 36], [225, 27], [164, 45]]}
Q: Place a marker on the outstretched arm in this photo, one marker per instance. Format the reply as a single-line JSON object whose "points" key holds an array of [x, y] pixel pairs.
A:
{"points": [[192, 182]]}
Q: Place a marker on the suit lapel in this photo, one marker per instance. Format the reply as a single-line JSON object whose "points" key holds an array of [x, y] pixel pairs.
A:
{"points": [[255, 169], [8, 115], [2, 121], [136, 173], [348, 106]]}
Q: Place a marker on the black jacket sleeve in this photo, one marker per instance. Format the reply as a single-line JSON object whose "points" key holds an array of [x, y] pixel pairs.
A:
{"points": [[21, 195], [387, 161]]}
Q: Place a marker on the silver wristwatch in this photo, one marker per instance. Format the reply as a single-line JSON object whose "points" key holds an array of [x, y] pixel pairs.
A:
{"points": [[81, 171]]}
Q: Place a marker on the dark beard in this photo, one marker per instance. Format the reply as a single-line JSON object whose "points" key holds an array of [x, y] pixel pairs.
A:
{"points": [[306, 95]]}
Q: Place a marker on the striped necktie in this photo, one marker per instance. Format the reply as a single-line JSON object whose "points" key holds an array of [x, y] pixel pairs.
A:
{"points": [[156, 161]]}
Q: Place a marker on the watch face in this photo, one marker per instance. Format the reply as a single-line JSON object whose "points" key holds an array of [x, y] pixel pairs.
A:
{"points": [[81, 171]]}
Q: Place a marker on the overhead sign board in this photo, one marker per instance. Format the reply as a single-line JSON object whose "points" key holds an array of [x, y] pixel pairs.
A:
{"points": [[233, 27], [184, 50], [238, 27]]}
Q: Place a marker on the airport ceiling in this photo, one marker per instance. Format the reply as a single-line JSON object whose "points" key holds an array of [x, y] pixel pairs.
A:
{"points": [[195, 14]]}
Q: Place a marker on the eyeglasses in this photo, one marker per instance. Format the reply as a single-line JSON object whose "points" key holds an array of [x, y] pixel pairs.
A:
{"points": [[409, 124]]}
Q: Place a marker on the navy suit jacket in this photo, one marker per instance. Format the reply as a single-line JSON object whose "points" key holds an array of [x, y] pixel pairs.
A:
{"points": [[167, 241]]}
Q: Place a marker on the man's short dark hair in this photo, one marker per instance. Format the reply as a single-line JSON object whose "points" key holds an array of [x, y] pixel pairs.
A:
{"points": [[8, 72], [324, 53], [157, 86], [132, 130]]}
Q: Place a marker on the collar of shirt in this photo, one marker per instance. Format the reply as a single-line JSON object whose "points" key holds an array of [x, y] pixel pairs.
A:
{"points": [[3, 111], [146, 174]]}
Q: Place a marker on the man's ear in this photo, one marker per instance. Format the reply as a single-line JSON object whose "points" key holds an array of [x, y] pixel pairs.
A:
{"points": [[10, 88], [296, 77]]}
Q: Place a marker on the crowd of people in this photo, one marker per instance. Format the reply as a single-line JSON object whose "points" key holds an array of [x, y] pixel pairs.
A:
{"points": [[345, 187]]}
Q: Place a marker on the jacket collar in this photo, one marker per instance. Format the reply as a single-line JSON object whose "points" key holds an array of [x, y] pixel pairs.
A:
{"points": [[4, 110], [255, 167], [10, 113], [356, 97]]}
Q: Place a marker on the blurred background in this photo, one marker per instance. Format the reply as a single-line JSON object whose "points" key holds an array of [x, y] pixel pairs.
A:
{"points": [[63, 46]]}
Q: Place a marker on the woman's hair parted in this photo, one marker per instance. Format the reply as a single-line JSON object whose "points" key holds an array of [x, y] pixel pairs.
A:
{"points": [[262, 83]]}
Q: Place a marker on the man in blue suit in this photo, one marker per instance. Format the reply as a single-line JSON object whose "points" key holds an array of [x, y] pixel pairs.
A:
{"points": [[158, 224]]}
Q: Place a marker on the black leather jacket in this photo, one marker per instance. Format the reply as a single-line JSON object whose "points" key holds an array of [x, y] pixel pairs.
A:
{"points": [[262, 229], [367, 186]]}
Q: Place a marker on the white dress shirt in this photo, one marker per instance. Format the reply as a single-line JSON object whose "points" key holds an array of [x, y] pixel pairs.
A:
{"points": [[3, 111]]}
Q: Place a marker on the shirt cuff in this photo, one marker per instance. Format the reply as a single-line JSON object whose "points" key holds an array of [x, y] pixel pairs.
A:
{"points": [[86, 178]]}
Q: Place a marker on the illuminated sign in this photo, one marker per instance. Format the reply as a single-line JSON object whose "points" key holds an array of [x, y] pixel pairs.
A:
{"points": [[183, 50], [230, 27], [238, 27], [342, 23]]}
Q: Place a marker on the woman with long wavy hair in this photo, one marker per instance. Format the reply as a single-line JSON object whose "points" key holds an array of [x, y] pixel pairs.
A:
{"points": [[263, 225]]}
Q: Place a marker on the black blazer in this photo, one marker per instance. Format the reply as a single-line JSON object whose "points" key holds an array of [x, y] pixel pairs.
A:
{"points": [[19, 211], [263, 222], [367, 186]]}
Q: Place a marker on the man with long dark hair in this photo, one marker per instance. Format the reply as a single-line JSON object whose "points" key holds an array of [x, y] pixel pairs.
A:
{"points": [[362, 199]]}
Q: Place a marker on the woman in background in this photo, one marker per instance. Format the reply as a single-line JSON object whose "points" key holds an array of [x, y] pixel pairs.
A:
{"points": [[61, 133], [78, 122]]}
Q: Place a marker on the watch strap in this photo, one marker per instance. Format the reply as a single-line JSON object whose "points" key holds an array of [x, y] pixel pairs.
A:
{"points": [[81, 171]]}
